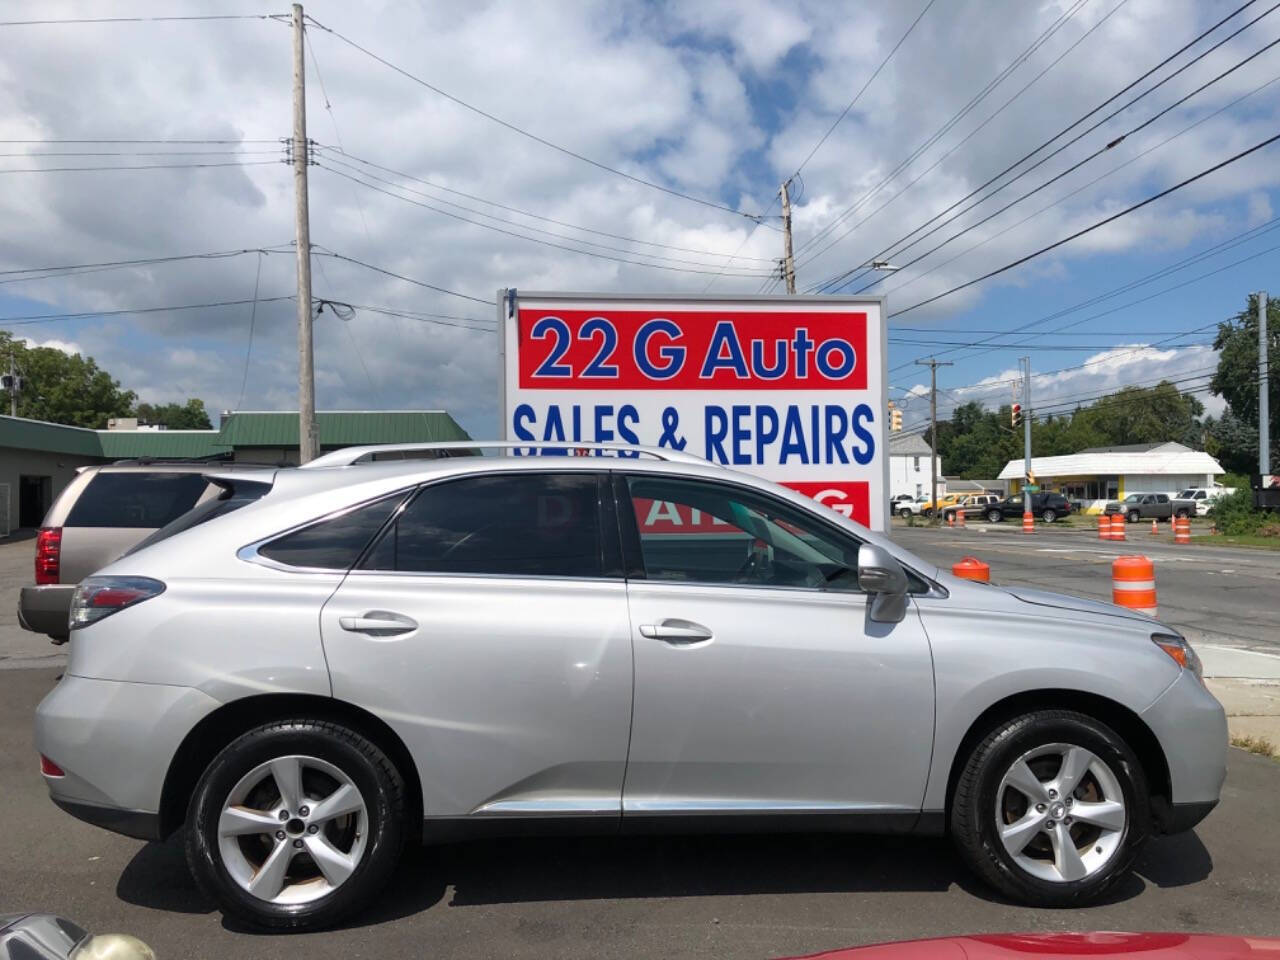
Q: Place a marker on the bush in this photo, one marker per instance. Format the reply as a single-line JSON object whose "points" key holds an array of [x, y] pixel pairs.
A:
{"points": [[1235, 515]]}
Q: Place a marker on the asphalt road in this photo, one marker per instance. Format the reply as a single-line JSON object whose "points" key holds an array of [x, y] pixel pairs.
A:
{"points": [[717, 897], [1222, 594]]}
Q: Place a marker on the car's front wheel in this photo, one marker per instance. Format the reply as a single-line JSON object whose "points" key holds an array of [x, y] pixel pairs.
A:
{"points": [[1050, 808], [905, 513], [296, 825], [993, 516]]}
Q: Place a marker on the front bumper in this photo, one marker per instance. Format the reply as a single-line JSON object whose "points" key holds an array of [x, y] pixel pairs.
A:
{"points": [[46, 609], [115, 741], [1192, 729]]}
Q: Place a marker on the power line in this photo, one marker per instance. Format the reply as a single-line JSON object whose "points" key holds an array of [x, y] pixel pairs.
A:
{"points": [[143, 261], [427, 318], [153, 141], [248, 350], [1056, 177], [521, 236], [1089, 229], [48, 317], [142, 153], [871, 79], [883, 254], [525, 133], [140, 166], [160, 19], [942, 131], [526, 213], [1085, 186], [398, 276]]}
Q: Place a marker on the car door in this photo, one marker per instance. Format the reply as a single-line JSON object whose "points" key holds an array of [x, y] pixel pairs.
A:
{"points": [[488, 626], [761, 685]]}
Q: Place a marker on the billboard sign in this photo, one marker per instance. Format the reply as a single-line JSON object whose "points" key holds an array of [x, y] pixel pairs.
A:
{"points": [[790, 388]]}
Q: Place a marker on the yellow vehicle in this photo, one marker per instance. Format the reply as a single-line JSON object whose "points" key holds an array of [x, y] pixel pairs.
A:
{"points": [[950, 500]]}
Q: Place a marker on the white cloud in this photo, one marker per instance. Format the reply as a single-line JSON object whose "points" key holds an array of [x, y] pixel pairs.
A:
{"points": [[66, 346]]}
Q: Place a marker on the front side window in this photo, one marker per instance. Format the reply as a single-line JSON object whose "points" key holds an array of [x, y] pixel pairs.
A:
{"points": [[704, 532], [515, 524], [133, 499], [336, 542]]}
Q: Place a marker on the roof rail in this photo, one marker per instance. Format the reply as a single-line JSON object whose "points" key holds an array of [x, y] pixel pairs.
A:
{"points": [[349, 456]]}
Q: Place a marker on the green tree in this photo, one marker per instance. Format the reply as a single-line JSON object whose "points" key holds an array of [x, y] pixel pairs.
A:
{"points": [[1233, 442], [1236, 379], [1145, 415], [65, 388], [175, 416]]}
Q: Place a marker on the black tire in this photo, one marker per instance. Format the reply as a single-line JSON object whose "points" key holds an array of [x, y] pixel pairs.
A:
{"points": [[378, 781], [994, 516], [905, 513], [973, 806], [1134, 516], [1049, 516], [1183, 514]]}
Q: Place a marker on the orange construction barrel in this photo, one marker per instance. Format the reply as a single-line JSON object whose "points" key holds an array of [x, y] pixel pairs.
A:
{"points": [[971, 568], [1028, 522], [1133, 584], [1181, 529], [1104, 527], [1117, 526]]}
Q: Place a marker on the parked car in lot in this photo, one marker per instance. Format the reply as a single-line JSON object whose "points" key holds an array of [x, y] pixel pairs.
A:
{"points": [[974, 505], [1150, 506], [1203, 498], [1044, 506], [910, 508], [103, 512], [361, 655], [927, 508]]}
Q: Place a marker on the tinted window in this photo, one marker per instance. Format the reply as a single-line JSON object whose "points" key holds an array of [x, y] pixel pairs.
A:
{"points": [[233, 497], [335, 543], [136, 499], [1162, 498], [703, 532], [520, 524]]}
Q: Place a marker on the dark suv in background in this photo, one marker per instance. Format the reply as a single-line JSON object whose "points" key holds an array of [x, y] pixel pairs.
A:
{"points": [[102, 513], [1044, 506]]}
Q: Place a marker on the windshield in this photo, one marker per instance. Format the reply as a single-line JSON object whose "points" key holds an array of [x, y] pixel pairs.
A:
{"points": [[1133, 498]]}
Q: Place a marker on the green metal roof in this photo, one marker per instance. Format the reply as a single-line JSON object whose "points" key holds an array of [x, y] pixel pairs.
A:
{"points": [[164, 444], [52, 437], [341, 428]]}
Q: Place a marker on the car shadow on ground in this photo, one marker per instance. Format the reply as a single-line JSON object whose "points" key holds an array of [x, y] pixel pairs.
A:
{"points": [[612, 868]]}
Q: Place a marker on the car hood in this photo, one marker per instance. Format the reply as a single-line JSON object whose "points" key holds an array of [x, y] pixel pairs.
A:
{"points": [[1061, 601]]}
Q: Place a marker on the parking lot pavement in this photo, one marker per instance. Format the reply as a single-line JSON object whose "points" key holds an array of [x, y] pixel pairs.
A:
{"points": [[716, 897]]}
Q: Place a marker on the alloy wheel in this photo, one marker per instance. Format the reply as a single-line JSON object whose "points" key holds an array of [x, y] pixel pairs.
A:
{"points": [[1060, 813], [292, 830]]}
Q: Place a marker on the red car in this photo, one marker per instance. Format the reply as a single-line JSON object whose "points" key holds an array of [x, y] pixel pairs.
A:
{"points": [[1067, 946]]}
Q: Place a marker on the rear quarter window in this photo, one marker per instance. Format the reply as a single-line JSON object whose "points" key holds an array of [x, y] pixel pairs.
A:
{"points": [[336, 542], [138, 500]]}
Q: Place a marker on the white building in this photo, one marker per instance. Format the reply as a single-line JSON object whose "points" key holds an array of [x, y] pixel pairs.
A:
{"points": [[1099, 474], [909, 457]]}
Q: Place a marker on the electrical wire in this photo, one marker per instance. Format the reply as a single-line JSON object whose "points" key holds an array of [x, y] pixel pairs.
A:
{"points": [[521, 236], [525, 133], [145, 261], [248, 350], [154, 141], [139, 166], [870, 194], [526, 213], [883, 254], [1094, 226], [159, 19], [49, 317], [397, 276]]}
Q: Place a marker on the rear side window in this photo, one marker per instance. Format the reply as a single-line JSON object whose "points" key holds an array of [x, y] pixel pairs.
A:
{"points": [[136, 499], [231, 498], [336, 542], [518, 524]]}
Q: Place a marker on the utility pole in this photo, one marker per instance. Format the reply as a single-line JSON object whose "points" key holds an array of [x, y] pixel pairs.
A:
{"points": [[933, 366], [1264, 389], [1026, 418], [13, 386], [788, 260], [308, 441]]}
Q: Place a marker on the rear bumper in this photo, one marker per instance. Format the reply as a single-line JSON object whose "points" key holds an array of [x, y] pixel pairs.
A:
{"points": [[46, 609], [132, 823]]}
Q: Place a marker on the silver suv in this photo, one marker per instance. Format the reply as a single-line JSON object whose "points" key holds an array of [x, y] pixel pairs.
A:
{"points": [[632, 640], [103, 512]]}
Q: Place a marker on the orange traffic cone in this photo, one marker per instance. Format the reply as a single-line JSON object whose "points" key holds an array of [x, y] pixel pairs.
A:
{"points": [[1155, 530]]}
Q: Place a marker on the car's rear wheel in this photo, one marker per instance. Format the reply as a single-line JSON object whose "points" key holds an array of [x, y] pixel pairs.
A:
{"points": [[1049, 516], [296, 825], [993, 516], [1051, 808], [1183, 514], [1134, 516]]}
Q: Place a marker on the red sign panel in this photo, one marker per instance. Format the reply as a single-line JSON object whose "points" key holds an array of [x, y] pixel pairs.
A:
{"points": [[852, 500]]}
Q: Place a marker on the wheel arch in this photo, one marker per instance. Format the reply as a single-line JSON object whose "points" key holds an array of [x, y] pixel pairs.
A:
{"points": [[208, 737], [1127, 724]]}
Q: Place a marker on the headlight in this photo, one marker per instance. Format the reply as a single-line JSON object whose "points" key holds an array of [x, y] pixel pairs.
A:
{"points": [[1180, 652], [113, 946], [98, 597]]}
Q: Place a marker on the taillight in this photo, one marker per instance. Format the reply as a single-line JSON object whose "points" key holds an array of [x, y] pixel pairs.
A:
{"points": [[99, 597], [49, 768], [48, 555]]}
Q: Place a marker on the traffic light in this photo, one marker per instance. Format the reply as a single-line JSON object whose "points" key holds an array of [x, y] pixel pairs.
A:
{"points": [[895, 418], [1015, 415]]}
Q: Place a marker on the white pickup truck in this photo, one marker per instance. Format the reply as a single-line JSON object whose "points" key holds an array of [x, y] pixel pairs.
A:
{"points": [[1205, 497]]}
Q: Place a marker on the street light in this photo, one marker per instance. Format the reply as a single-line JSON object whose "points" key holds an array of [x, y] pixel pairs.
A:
{"points": [[884, 265]]}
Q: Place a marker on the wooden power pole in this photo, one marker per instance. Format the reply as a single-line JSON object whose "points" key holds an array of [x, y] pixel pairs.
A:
{"points": [[788, 259], [933, 366], [308, 440]]}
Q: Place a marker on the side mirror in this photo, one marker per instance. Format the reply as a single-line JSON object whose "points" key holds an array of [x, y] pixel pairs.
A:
{"points": [[880, 575]]}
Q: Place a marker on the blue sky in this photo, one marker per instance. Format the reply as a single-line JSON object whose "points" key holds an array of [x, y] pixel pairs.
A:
{"points": [[718, 100]]}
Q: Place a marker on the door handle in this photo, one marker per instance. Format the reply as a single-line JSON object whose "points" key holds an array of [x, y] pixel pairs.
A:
{"points": [[676, 631], [378, 621]]}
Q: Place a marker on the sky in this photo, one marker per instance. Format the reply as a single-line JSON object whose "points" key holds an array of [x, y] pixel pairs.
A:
{"points": [[718, 101]]}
